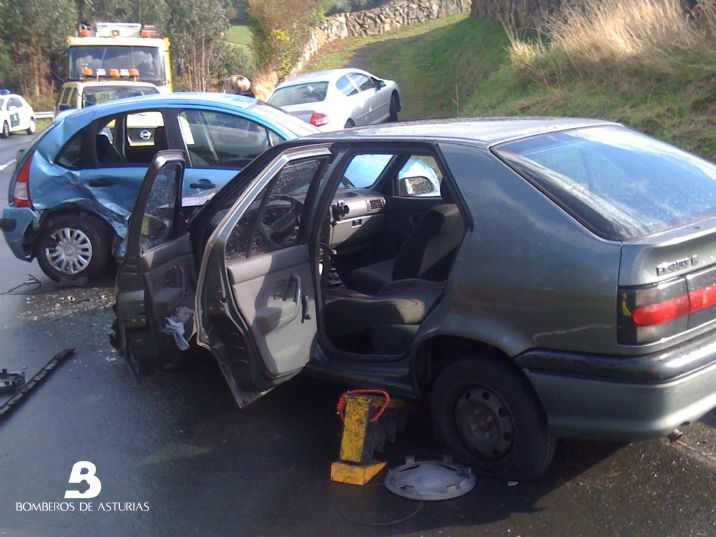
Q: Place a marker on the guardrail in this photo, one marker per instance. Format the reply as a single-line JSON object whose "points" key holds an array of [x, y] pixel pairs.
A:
{"points": [[44, 115]]}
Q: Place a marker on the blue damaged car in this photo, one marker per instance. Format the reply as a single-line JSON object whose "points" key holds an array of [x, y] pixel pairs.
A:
{"points": [[73, 190]]}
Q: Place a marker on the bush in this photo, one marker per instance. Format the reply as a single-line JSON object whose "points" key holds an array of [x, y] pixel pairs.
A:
{"points": [[598, 39], [281, 29]]}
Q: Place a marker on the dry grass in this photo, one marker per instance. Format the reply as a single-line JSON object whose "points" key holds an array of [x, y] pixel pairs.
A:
{"points": [[263, 83], [618, 36]]}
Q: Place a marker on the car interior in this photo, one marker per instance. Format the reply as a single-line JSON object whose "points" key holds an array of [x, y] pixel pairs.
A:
{"points": [[388, 244], [388, 264]]}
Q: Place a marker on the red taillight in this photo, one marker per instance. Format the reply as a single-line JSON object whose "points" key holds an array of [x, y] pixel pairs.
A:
{"points": [[654, 312], [702, 298], [21, 193], [661, 312], [318, 119]]}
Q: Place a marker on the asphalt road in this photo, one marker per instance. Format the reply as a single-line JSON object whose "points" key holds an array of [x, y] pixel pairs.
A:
{"points": [[177, 442]]}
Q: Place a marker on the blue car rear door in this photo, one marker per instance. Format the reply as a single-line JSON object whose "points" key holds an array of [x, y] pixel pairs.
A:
{"points": [[122, 147]]}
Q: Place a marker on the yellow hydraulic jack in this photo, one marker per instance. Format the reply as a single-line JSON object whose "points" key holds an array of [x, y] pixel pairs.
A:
{"points": [[370, 417]]}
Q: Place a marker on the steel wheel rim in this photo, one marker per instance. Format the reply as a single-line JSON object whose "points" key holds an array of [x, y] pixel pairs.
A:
{"points": [[70, 251], [484, 422], [5, 129]]}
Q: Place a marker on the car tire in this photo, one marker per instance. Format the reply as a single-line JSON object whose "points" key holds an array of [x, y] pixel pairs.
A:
{"points": [[349, 124], [87, 241], [33, 127], [394, 107], [488, 416], [5, 132]]}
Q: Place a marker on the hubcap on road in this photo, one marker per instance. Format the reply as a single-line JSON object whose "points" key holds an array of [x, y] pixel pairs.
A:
{"points": [[71, 250], [484, 422]]}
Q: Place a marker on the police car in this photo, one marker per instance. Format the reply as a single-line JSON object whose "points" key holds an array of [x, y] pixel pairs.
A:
{"points": [[15, 114]]}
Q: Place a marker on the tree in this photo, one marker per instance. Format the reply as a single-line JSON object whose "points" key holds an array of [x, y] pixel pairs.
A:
{"points": [[281, 29], [31, 32], [196, 31], [144, 11]]}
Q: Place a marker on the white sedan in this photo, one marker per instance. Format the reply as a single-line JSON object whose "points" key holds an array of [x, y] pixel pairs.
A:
{"points": [[338, 98], [15, 115]]}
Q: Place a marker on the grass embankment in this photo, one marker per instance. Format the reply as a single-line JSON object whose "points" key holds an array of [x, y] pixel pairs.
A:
{"points": [[639, 62], [240, 35]]}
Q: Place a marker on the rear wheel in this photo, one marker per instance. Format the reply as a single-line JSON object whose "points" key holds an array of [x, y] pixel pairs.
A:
{"points": [[394, 107], [487, 415], [5, 132], [32, 128], [349, 124], [73, 247]]}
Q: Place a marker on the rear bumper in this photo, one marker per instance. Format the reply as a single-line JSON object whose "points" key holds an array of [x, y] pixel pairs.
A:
{"points": [[15, 223], [624, 398]]}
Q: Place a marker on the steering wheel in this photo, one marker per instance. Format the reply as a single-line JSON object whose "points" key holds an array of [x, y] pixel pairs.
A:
{"points": [[283, 224]]}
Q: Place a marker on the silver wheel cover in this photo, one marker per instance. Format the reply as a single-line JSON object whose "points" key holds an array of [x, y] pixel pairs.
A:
{"points": [[70, 251]]}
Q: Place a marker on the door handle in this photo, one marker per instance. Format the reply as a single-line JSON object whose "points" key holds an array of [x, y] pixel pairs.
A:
{"points": [[203, 184], [101, 181]]}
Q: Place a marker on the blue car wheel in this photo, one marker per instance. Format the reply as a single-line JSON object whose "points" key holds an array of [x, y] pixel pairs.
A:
{"points": [[73, 247]]}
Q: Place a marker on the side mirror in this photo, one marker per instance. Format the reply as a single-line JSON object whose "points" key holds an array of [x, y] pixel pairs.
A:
{"points": [[380, 85], [62, 107], [416, 186]]}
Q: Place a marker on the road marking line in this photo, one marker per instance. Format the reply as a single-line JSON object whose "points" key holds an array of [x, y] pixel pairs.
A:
{"points": [[3, 166]]}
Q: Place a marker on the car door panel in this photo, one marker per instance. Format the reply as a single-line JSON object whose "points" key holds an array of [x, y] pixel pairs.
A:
{"points": [[256, 309], [157, 279], [271, 293]]}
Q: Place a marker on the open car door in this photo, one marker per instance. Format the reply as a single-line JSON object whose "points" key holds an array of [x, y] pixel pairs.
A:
{"points": [[256, 298], [156, 282]]}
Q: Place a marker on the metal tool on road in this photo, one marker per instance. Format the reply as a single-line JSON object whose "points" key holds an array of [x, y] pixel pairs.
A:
{"points": [[16, 399], [10, 382], [370, 417]]}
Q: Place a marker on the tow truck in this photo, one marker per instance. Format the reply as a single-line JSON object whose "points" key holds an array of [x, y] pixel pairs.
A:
{"points": [[114, 60]]}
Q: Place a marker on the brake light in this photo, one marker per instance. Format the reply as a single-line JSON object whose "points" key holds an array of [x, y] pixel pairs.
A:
{"points": [[318, 119], [650, 313], [661, 312], [21, 192]]}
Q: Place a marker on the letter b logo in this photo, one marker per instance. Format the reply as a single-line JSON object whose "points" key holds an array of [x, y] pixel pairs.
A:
{"points": [[84, 471]]}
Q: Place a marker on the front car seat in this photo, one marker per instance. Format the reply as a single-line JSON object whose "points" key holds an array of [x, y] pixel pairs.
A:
{"points": [[427, 252]]}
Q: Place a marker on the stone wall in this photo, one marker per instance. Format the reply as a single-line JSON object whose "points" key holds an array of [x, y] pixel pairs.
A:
{"points": [[524, 13], [377, 21]]}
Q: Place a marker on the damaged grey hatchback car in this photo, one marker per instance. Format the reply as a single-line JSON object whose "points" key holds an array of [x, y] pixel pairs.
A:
{"points": [[551, 278]]}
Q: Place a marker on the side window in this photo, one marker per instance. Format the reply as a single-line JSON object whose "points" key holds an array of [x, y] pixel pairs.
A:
{"points": [[215, 139], [72, 99], [109, 150], [420, 176], [71, 154], [364, 170], [273, 220], [159, 214], [130, 139], [346, 87], [361, 81], [274, 138], [63, 96]]}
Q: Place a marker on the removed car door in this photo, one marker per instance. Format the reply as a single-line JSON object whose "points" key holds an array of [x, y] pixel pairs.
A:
{"points": [[156, 282], [256, 296]]}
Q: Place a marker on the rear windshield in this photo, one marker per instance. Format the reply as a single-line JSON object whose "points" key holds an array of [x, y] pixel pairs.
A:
{"points": [[619, 183], [313, 92]]}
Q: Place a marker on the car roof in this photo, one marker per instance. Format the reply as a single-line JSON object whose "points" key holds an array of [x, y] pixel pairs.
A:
{"points": [[329, 75], [484, 131]]}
